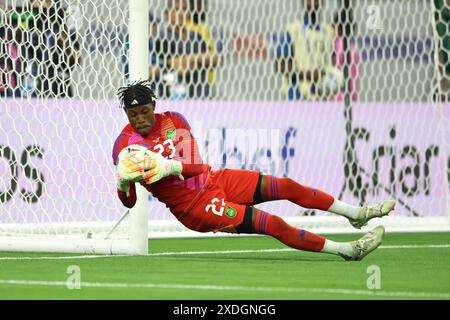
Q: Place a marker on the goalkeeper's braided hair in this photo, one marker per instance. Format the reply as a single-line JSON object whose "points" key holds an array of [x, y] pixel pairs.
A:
{"points": [[136, 94]]}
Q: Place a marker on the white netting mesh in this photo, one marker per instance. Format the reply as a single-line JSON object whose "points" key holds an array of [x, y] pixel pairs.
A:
{"points": [[393, 139], [70, 51], [395, 41]]}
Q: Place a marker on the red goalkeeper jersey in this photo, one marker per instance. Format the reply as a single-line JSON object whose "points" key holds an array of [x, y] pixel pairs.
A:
{"points": [[171, 137]]}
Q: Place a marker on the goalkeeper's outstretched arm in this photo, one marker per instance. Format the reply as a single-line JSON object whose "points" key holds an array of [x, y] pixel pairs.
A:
{"points": [[128, 198]]}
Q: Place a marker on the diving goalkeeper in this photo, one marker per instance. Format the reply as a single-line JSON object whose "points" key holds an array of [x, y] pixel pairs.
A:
{"points": [[158, 151]]}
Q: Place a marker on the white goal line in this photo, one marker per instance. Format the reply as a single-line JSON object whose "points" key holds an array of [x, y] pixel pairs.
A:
{"points": [[181, 253]]}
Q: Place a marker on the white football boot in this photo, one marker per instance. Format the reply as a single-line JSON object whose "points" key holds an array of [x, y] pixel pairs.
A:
{"points": [[368, 243], [368, 212]]}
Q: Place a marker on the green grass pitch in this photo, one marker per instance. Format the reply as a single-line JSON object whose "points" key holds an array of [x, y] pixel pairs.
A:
{"points": [[410, 265]]}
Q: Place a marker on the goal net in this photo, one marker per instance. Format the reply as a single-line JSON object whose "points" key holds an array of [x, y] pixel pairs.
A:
{"points": [[373, 124]]}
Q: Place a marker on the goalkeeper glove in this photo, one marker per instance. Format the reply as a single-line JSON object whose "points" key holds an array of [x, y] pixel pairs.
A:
{"points": [[133, 162], [136, 163], [161, 167]]}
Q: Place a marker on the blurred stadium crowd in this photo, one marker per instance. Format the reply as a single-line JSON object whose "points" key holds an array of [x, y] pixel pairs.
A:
{"points": [[312, 57]]}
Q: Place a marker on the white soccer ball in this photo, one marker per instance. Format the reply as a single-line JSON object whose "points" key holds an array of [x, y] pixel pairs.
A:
{"points": [[134, 150], [132, 163]]}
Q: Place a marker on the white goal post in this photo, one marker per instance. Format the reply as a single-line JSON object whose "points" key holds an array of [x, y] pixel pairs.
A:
{"points": [[135, 241], [61, 66]]}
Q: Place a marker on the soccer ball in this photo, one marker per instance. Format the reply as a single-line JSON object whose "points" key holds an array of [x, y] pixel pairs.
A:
{"points": [[331, 83], [135, 150], [133, 161]]}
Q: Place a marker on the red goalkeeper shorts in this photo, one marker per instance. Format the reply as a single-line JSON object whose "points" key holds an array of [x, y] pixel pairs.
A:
{"points": [[221, 205]]}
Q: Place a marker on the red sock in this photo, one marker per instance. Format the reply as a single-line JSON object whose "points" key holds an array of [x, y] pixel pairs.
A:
{"points": [[288, 189], [266, 223]]}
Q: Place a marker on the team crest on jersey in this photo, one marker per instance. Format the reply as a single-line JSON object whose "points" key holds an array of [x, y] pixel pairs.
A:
{"points": [[171, 133], [230, 212]]}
